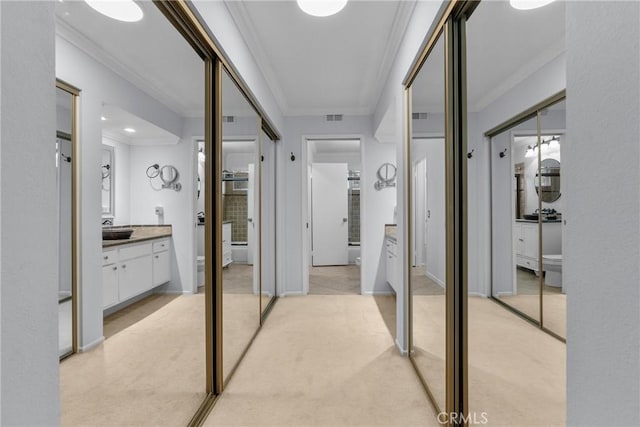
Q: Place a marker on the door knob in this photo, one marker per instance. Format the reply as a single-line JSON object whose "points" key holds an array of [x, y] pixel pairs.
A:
{"points": [[344, 220]]}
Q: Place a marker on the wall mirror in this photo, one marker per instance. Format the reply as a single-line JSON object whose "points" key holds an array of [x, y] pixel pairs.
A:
{"points": [[108, 180], [549, 180], [241, 224], [428, 230]]}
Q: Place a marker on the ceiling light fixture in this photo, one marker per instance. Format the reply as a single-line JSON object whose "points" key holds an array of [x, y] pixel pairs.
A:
{"points": [[529, 4], [121, 10], [130, 130], [321, 7], [103, 118]]}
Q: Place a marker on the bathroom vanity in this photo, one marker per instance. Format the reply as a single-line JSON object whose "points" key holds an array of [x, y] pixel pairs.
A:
{"points": [[136, 265], [391, 244], [525, 236]]}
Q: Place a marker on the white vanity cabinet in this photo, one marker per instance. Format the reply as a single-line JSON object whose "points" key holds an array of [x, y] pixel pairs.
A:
{"points": [[392, 262], [226, 244], [132, 269], [525, 236], [161, 262]]}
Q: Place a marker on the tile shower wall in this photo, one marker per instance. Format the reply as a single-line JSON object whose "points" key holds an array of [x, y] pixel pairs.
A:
{"points": [[354, 216], [235, 210]]}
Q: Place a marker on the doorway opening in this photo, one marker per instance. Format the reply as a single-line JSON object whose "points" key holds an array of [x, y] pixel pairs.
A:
{"points": [[333, 216]]}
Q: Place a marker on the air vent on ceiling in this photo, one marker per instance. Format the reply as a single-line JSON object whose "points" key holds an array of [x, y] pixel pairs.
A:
{"points": [[228, 119], [419, 116], [334, 117]]}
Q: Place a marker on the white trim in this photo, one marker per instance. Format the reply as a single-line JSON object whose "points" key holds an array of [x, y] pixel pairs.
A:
{"points": [[304, 157], [403, 352], [504, 294], [91, 345], [379, 293], [434, 278]]}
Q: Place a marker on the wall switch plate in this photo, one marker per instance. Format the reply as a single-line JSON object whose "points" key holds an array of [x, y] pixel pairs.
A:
{"points": [[159, 210]]}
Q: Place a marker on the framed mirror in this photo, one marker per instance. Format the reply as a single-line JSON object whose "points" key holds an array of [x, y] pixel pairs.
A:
{"points": [[108, 180], [549, 188]]}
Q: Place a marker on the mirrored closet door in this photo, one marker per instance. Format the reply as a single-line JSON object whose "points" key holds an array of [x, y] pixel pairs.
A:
{"points": [[268, 217], [240, 224], [428, 281]]}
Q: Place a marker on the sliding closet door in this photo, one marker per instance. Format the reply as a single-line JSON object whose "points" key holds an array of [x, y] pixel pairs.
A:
{"points": [[428, 281], [516, 370], [268, 227]]}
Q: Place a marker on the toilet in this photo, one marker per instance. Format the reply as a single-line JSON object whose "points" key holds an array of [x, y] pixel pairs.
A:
{"points": [[552, 266], [200, 256]]}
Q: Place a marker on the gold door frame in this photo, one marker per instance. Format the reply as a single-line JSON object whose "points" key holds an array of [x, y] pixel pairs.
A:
{"points": [[184, 17], [75, 209], [450, 24]]}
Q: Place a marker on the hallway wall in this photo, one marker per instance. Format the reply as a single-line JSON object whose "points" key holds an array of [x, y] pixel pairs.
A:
{"points": [[28, 227], [603, 269]]}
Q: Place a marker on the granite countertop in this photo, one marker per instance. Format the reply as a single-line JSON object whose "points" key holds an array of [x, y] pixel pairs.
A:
{"points": [[140, 234], [390, 231]]}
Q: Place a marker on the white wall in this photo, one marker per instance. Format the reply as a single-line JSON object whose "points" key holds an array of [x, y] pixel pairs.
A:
{"points": [[177, 205], [601, 266], [100, 85], [29, 392]]}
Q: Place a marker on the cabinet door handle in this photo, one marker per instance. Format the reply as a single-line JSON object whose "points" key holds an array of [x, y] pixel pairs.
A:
{"points": [[157, 256], [124, 265], [521, 240], [115, 268], [106, 257]]}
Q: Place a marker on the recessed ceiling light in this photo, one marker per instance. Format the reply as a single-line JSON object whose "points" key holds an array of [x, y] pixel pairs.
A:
{"points": [[103, 118], [529, 4], [130, 130], [121, 10], [321, 7]]}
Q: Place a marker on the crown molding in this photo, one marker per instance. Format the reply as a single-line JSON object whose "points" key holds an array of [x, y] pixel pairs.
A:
{"points": [[93, 50]]}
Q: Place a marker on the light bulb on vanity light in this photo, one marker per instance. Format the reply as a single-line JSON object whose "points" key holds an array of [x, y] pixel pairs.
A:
{"points": [[129, 130]]}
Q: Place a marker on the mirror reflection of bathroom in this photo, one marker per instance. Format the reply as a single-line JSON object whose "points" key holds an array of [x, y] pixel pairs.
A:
{"points": [[554, 301], [428, 225], [240, 224], [200, 214], [64, 160], [334, 209]]}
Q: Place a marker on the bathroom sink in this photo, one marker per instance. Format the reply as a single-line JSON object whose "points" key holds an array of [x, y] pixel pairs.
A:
{"points": [[116, 233]]}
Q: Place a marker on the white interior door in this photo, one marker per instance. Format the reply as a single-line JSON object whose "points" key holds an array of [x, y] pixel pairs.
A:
{"points": [[330, 225], [420, 212], [251, 215]]}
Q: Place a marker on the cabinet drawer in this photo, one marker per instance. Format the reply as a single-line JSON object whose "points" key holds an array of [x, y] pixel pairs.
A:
{"points": [[134, 251], [109, 257], [161, 245]]}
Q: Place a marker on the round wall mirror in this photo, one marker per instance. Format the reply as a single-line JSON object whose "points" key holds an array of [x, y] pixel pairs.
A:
{"points": [[548, 182]]}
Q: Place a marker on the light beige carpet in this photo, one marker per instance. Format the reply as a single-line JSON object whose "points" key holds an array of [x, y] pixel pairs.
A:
{"points": [[421, 284], [554, 306], [324, 361], [334, 280], [148, 372], [517, 373]]}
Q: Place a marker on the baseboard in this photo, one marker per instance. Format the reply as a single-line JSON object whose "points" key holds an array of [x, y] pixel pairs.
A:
{"points": [[382, 293], [477, 294], [91, 345], [402, 351], [295, 293], [504, 294], [173, 292], [435, 279]]}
